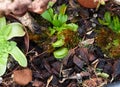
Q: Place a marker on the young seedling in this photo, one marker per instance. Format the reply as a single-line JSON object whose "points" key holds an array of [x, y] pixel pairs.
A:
{"points": [[58, 20], [7, 32]]}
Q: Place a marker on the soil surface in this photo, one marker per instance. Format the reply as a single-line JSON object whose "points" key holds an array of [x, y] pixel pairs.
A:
{"points": [[86, 64]]}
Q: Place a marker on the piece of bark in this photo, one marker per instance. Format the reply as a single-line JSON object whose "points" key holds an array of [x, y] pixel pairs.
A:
{"points": [[22, 77], [89, 3]]}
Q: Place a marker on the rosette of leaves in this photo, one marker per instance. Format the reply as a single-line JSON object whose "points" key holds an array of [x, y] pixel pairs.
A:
{"points": [[7, 32], [58, 20]]}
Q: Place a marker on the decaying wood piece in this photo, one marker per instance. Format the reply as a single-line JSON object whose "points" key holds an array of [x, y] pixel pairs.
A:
{"points": [[28, 20], [19, 7]]}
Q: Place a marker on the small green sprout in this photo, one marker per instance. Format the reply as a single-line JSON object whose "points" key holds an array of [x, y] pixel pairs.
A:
{"points": [[58, 20], [112, 22], [7, 32]]}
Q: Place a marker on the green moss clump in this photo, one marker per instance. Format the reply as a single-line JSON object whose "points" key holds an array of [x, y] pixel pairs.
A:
{"points": [[109, 42]]}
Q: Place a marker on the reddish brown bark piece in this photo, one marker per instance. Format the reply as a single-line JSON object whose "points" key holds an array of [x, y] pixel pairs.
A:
{"points": [[22, 77], [88, 3]]}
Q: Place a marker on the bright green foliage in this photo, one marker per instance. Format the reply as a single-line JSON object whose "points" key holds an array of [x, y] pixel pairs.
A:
{"points": [[112, 22], [61, 53], [58, 43], [8, 31], [58, 20]]}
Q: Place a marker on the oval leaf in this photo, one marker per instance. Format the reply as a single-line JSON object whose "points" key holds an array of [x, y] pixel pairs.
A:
{"points": [[61, 53], [58, 43], [19, 56], [16, 30]]}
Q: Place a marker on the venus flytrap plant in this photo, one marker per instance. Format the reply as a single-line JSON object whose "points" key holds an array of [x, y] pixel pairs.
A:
{"points": [[58, 20], [108, 37], [7, 32]]}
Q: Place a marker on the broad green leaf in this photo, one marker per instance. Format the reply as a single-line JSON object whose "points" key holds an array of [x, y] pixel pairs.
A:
{"points": [[56, 23], [61, 53], [16, 30], [48, 14], [58, 43], [71, 26], [2, 22], [19, 56], [3, 63], [62, 18]]}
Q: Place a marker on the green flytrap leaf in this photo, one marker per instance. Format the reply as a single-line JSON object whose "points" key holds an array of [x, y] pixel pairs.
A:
{"points": [[62, 18], [61, 53], [19, 56], [58, 43], [48, 15], [16, 30]]}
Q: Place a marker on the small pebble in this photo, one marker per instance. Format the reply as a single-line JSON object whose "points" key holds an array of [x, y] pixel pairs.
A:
{"points": [[93, 24], [95, 15]]}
